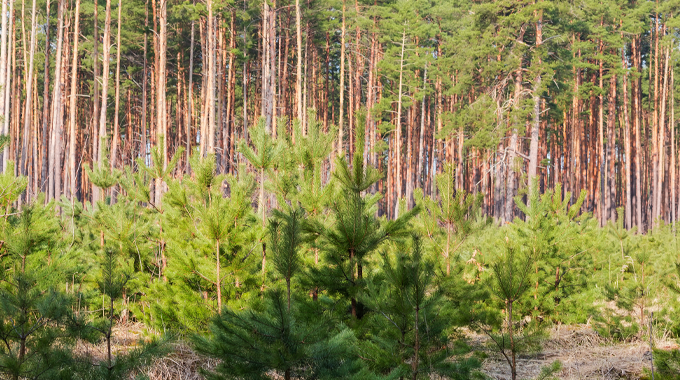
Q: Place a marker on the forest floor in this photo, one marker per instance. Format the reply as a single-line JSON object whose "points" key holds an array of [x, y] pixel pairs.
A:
{"points": [[582, 352]]}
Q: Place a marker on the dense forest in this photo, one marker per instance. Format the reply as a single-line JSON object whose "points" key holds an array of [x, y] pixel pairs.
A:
{"points": [[335, 189], [576, 93]]}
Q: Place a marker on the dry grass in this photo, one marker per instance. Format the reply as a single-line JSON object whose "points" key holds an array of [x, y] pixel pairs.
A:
{"points": [[181, 364], [583, 354]]}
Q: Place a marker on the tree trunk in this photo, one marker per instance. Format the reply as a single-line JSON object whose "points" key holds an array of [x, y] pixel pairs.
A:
{"points": [[397, 137], [421, 140], [210, 96], [662, 141], [218, 279], [161, 125], [627, 148], [145, 74], [57, 113], [4, 68], [116, 127], [190, 98], [46, 183], [11, 51], [673, 146], [512, 153], [341, 137], [602, 209], [105, 83], [638, 148], [533, 145], [29, 95], [95, 99], [72, 104], [298, 78], [610, 163]]}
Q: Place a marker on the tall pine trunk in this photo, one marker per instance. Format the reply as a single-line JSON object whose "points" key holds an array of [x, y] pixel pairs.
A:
{"points": [[57, 113], [116, 127]]}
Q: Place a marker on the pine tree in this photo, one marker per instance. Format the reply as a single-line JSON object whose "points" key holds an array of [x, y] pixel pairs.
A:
{"points": [[262, 156], [278, 335], [36, 323], [210, 239], [557, 238], [284, 232], [354, 232], [510, 283], [111, 283], [456, 211], [409, 321]]}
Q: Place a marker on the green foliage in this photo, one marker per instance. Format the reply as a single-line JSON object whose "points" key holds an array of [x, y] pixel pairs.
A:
{"points": [[285, 237], [294, 342], [449, 221], [409, 321], [510, 283], [355, 232], [37, 326], [558, 240], [111, 283], [209, 243]]}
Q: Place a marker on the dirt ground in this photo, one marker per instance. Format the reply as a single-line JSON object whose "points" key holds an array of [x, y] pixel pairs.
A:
{"points": [[583, 354]]}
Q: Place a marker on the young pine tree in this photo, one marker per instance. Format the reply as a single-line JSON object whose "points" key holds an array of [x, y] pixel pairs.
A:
{"points": [[210, 238], [354, 232], [510, 283], [451, 220], [111, 283], [558, 239], [279, 335], [36, 324], [263, 156], [409, 322]]}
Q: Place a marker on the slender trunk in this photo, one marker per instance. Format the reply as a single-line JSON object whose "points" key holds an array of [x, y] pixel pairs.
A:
{"points": [[161, 125], [638, 149], [11, 51], [57, 113], [610, 205], [72, 104], [341, 137], [4, 67], [116, 127], [190, 97], [263, 211], [421, 140], [416, 346], [95, 99], [662, 140], [105, 83], [533, 145], [673, 146], [512, 341], [298, 78], [602, 208], [218, 279], [46, 184], [231, 86], [210, 96], [627, 150], [29, 94], [656, 167], [397, 138], [512, 153], [145, 74]]}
